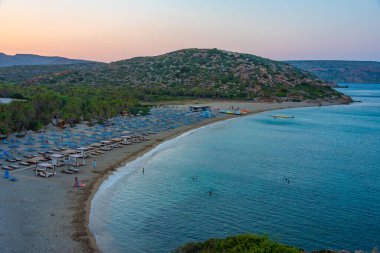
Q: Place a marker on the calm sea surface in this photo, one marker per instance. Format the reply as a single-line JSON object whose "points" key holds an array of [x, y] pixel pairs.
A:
{"points": [[331, 156]]}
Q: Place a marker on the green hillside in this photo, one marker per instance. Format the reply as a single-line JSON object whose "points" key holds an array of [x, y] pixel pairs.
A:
{"points": [[19, 74], [342, 71], [207, 73]]}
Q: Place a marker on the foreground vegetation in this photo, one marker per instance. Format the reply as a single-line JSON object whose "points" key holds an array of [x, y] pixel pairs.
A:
{"points": [[238, 244], [38, 105]]}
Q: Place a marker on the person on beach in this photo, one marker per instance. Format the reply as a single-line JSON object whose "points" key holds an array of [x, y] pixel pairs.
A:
{"points": [[210, 193], [76, 182], [94, 164], [143, 171]]}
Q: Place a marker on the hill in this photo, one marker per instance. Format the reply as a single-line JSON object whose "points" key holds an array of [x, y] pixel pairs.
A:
{"points": [[208, 73], [342, 71], [19, 74], [30, 59]]}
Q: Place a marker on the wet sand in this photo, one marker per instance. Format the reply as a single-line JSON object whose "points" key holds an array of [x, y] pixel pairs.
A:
{"points": [[50, 215]]}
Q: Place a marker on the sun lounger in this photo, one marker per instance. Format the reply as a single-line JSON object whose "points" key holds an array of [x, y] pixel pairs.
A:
{"points": [[42, 174], [73, 170], [11, 160], [28, 156], [66, 171], [24, 163], [15, 167], [6, 168], [18, 159]]}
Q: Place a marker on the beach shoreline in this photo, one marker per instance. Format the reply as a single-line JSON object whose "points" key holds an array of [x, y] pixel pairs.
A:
{"points": [[51, 215], [87, 204]]}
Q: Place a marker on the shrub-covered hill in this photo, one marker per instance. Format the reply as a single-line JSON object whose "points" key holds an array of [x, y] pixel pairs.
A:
{"points": [[22, 73], [342, 71], [203, 73], [30, 59]]}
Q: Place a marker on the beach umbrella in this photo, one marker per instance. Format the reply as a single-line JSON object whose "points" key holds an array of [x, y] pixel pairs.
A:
{"points": [[30, 151], [7, 154], [28, 143], [74, 146]]}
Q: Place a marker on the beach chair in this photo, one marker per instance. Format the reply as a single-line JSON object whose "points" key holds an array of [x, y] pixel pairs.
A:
{"points": [[14, 167], [67, 171], [73, 170]]}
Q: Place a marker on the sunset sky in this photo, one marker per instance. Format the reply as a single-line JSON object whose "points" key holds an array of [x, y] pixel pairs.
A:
{"points": [[109, 30]]}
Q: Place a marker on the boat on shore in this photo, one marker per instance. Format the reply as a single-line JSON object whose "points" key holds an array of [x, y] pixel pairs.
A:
{"points": [[236, 112]]}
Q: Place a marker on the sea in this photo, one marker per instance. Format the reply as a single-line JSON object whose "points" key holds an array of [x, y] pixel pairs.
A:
{"points": [[312, 182]]}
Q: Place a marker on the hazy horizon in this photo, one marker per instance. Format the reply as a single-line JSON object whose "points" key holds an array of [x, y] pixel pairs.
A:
{"points": [[184, 49], [103, 31]]}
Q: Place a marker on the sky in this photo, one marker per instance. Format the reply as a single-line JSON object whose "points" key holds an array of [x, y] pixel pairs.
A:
{"points": [[111, 30]]}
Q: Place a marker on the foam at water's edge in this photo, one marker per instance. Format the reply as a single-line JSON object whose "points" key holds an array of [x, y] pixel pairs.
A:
{"points": [[140, 161], [131, 167], [135, 164]]}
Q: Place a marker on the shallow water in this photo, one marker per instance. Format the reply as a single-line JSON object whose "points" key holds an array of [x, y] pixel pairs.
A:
{"points": [[330, 156]]}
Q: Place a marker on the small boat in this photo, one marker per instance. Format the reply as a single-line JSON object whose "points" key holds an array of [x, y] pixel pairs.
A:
{"points": [[282, 117], [237, 112]]}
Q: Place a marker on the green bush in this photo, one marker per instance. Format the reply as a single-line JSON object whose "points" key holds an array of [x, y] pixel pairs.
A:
{"points": [[238, 244]]}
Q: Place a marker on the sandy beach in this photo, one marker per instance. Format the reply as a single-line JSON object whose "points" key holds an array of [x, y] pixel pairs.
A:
{"points": [[50, 215]]}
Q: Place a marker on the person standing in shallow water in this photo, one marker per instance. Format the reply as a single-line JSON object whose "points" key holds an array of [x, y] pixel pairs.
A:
{"points": [[94, 164]]}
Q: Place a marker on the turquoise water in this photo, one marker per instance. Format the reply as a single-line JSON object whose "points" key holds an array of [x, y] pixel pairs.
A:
{"points": [[330, 155]]}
